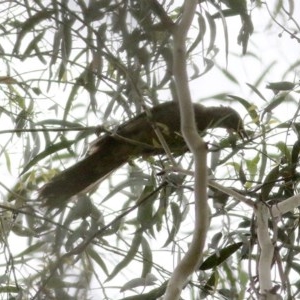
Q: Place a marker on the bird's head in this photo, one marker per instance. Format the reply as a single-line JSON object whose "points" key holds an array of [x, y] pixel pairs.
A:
{"points": [[225, 117]]}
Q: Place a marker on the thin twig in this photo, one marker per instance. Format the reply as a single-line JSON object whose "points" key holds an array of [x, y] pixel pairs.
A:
{"points": [[48, 129]]}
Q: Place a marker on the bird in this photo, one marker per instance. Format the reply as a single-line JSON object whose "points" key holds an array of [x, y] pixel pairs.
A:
{"points": [[134, 138]]}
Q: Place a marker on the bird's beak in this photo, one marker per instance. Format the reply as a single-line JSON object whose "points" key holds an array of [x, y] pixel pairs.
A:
{"points": [[243, 134]]}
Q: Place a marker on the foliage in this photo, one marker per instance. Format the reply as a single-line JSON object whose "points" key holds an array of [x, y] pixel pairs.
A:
{"points": [[68, 66]]}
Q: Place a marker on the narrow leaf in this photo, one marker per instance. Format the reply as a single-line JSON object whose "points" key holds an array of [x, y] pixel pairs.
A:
{"points": [[229, 76], [295, 153], [257, 92], [29, 24], [147, 257], [49, 150], [283, 148], [213, 32], [269, 182], [201, 33], [217, 258], [136, 242], [31, 249], [97, 258], [281, 86], [277, 101], [33, 45], [177, 217]]}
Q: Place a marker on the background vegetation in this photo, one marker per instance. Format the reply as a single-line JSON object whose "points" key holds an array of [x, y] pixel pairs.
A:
{"points": [[68, 66]]}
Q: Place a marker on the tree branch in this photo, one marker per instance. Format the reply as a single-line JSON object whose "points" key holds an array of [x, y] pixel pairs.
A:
{"points": [[198, 147], [267, 251], [285, 206]]}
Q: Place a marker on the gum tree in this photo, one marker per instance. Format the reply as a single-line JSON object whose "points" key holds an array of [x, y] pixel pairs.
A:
{"points": [[75, 70]]}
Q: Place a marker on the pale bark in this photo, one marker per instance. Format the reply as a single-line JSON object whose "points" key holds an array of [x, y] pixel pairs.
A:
{"points": [[197, 146]]}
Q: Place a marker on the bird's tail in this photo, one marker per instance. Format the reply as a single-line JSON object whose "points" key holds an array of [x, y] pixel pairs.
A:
{"points": [[108, 156]]}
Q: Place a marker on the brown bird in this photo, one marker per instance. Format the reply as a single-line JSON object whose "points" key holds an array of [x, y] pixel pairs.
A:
{"points": [[134, 138]]}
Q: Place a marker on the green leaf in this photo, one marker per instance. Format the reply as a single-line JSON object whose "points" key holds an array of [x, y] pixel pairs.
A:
{"points": [[145, 209], [8, 161], [201, 33], [67, 41], [269, 183], [61, 123], [280, 86], [136, 242], [213, 32], [49, 150], [295, 153], [31, 249], [80, 82], [213, 280], [209, 64], [97, 258], [177, 217], [219, 257], [215, 240], [33, 45], [147, 258], [20, 230], [229, 76], [257, 92], [142, 181], [21, 120], [29, 24], [277, 101], [283, 148], [252, 165]]}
